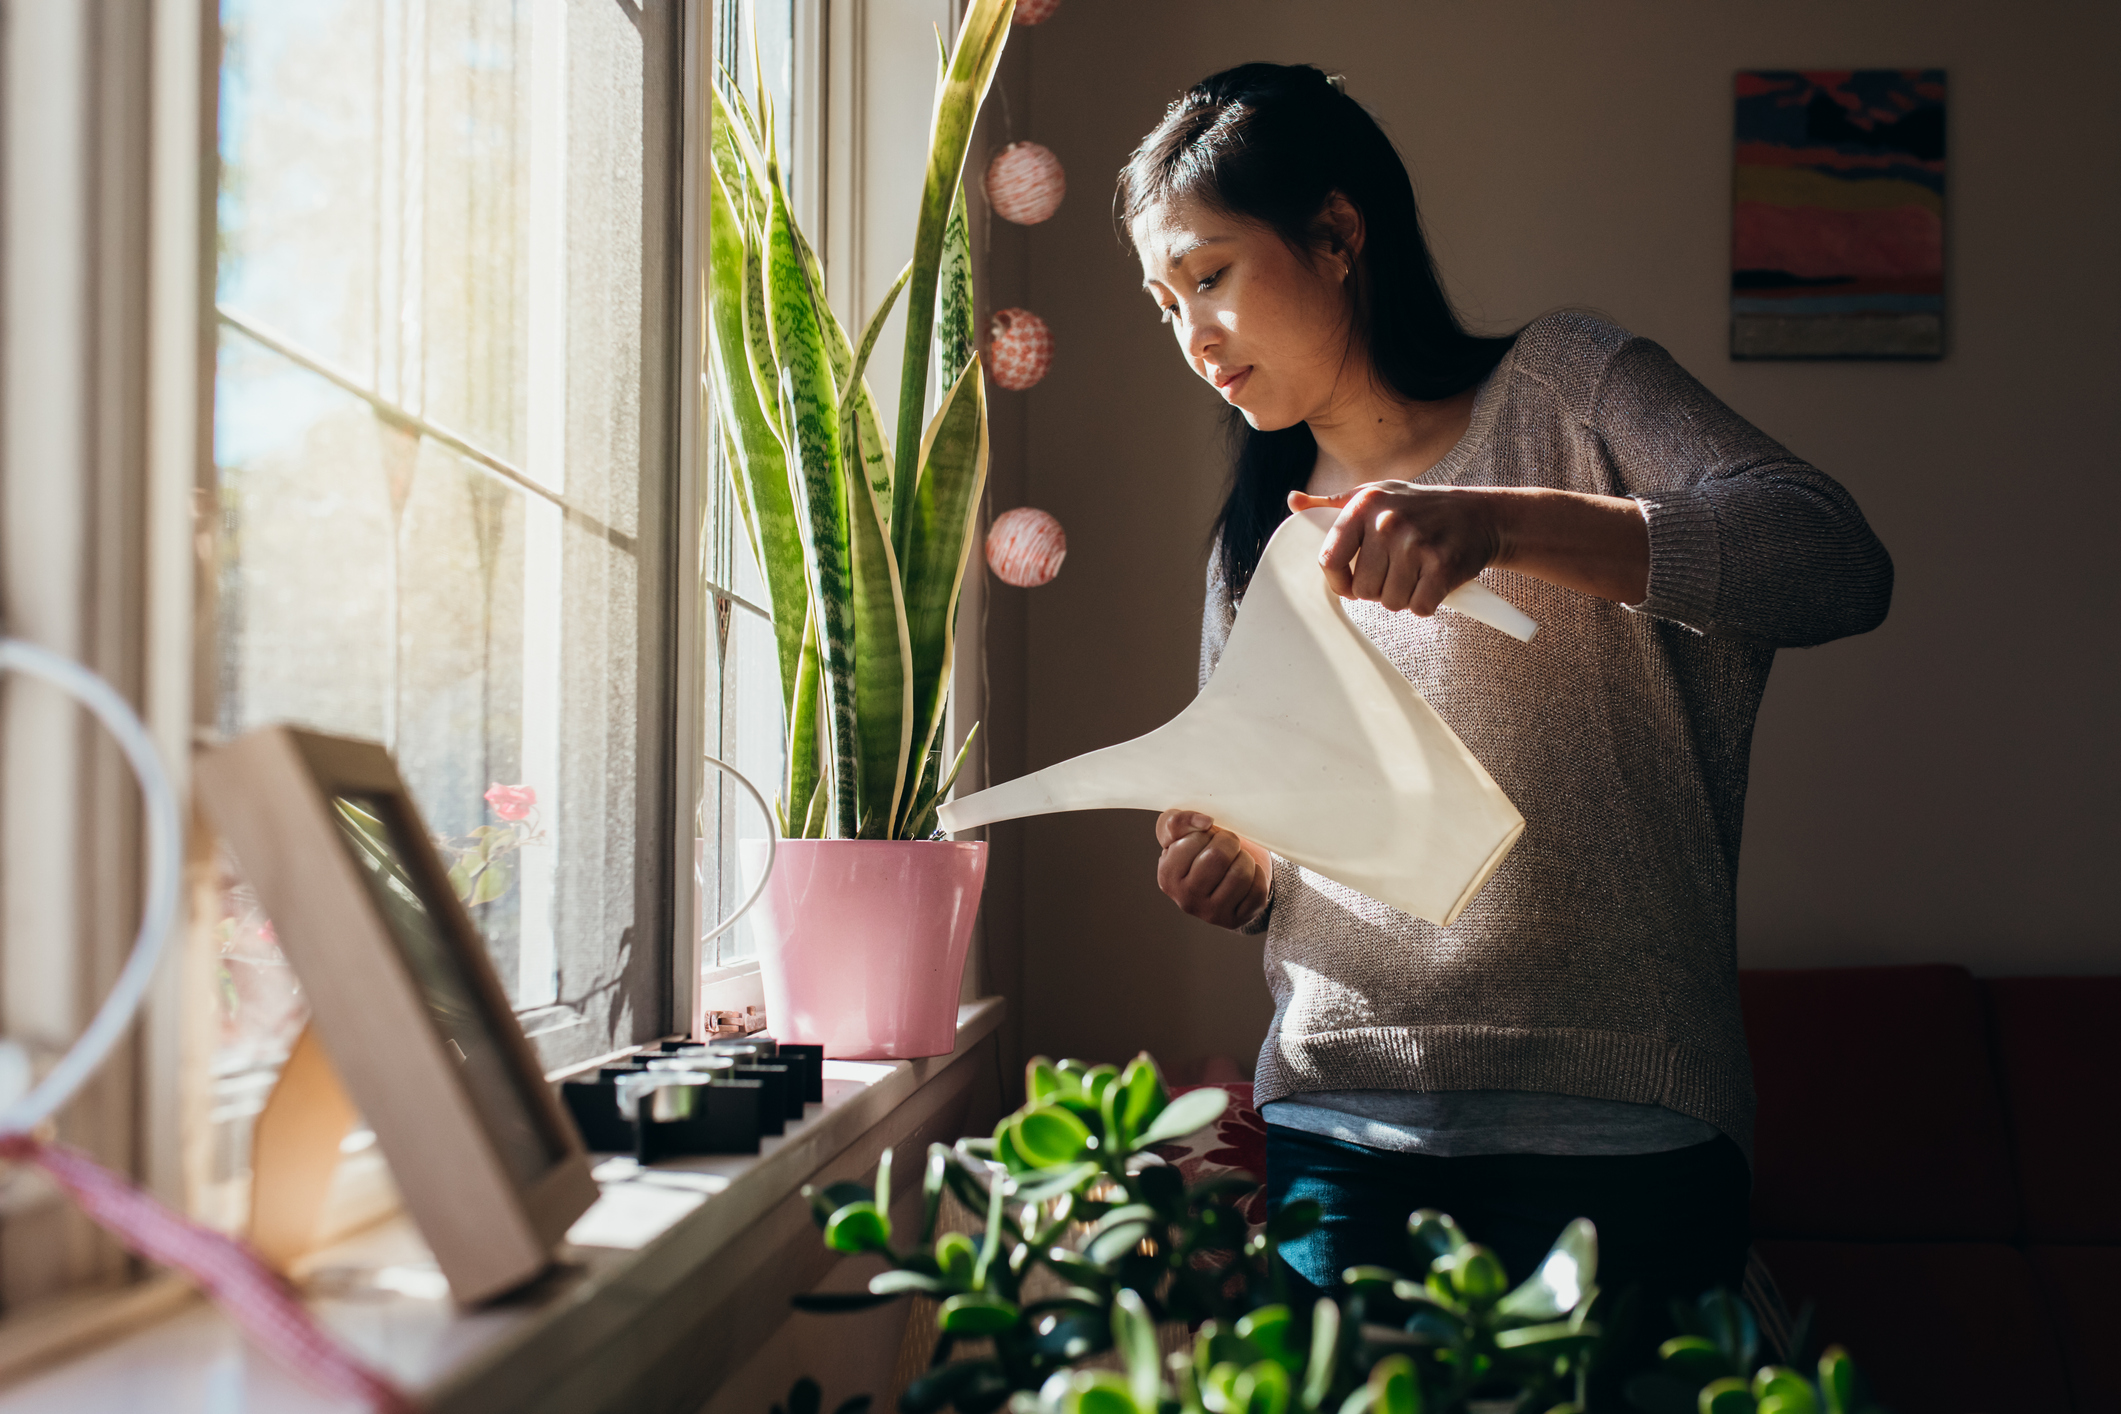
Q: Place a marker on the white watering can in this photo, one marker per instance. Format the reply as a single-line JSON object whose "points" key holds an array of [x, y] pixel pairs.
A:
{"points": [[1308, 741]]}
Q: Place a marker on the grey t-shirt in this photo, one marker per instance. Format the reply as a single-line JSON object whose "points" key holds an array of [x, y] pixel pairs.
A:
{"points": [[1453, 1124]]}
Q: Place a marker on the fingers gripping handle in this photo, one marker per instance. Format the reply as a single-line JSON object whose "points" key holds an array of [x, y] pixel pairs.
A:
{"points": [[1476, 601]]}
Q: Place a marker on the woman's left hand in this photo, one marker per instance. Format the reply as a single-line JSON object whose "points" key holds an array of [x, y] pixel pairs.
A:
{"points": [[1405, 546]]}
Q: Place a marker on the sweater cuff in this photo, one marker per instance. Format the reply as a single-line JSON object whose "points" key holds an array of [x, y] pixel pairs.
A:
{"points": [[1258, 924], [1683, 558]]}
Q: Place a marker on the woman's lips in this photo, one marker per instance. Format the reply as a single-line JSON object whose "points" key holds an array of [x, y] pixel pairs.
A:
{"points": [[1229, 381]]}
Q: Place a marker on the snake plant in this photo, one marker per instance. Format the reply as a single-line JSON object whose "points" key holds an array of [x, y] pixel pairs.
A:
{"points": [[862, 539]]}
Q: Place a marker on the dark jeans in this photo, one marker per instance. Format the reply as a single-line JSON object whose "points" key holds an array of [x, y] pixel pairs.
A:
{"points": [[1669, 1225]]}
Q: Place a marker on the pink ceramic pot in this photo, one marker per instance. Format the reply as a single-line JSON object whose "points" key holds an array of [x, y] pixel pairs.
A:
{"points": [[862, 942]]}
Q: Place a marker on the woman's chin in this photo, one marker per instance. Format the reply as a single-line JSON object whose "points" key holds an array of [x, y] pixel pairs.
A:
{"points": [[1267, 419]]}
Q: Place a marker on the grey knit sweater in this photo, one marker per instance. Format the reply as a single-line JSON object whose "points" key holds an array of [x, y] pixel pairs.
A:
{"points": [[1601, 958]]}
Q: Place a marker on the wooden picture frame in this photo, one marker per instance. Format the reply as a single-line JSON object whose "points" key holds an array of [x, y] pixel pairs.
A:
{"points": [[405, 999]]}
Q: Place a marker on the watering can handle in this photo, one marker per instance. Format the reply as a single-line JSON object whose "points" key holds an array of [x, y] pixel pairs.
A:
{"points": [[1476, 601]]}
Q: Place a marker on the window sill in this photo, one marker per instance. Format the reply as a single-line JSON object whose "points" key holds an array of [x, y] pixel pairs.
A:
{"points": [[662, 1287]]}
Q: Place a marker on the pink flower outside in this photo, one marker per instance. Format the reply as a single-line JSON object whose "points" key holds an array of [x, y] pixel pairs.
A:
{"points": [[511, 803]]}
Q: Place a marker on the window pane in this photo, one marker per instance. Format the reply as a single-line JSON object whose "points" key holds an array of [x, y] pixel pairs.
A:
{"points": [[439, 225]]}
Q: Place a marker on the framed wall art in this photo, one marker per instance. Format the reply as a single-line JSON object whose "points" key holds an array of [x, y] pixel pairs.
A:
{"points": [[1837, 221]]}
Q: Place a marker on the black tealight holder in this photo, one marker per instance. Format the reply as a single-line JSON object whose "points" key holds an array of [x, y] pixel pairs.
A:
{"points": [[810, 1061], [782, 1099], [697, 1113], [594, 1103]]}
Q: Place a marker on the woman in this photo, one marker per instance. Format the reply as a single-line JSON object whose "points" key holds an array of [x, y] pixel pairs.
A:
{"points": [[1572, 1044]]}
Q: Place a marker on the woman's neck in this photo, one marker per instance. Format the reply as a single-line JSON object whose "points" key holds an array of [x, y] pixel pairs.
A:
{"points": [[1368, 435]]}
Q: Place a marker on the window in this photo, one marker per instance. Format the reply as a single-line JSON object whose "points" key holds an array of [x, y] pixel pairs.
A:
{"points": [[445, 471], [742, 719]]}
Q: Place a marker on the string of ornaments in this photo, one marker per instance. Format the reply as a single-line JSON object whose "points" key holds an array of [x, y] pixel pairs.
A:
{"points": [[1025, 184]]}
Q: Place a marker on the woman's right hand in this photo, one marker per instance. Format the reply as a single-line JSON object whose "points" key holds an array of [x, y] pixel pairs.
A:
{"points": [[1209, 872]]}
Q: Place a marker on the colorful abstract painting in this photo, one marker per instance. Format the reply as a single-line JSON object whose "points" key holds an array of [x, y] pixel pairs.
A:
{"points": [[1837, 228]]}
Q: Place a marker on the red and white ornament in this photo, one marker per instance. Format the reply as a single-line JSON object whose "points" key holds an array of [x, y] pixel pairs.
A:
{"points": [[1030, 12], [1025, 183], [1025, 547], [1019, 349]]}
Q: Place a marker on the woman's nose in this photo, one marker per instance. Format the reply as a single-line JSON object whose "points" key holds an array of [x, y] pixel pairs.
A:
{"points": [[1199, 336]]}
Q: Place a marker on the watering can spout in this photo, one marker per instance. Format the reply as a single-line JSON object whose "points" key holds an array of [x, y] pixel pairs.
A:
{"points": [[1307, 741]]}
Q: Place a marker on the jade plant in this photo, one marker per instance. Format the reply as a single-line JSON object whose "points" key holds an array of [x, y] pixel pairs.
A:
{"points": [[1712, 1367], [861, 538], [1090, 1241]]}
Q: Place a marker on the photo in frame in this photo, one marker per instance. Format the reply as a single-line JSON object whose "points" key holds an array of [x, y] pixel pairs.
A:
{"points": [[404, 999], [1837, 217]]}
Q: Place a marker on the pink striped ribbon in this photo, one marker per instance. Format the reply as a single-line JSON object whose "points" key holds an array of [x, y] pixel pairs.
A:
{"points": [[248, 1291]]}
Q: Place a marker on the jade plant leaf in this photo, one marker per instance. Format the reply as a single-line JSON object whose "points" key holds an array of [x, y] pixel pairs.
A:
{"points": [[1188, 1114], [899, 1282], [1783, 1391], [1134, 1336], [1434, 1233], [1559, 1285], [1101, 1392], [976, 1313], [1394, 1387], [1695, 1359], [1049, 1136], [1263, 1388], [858, 1227], [1727, 1396], [1324, 1364]]}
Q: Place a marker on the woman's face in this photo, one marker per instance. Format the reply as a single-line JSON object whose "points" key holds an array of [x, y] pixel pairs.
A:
{"points": [[1267, 327]]}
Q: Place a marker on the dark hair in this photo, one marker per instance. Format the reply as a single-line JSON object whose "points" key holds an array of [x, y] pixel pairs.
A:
{"points": [[1272, 143]]}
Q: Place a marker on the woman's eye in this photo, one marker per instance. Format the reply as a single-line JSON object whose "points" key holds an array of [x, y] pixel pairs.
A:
{"points": [[1209, 283], [1170, 312]]}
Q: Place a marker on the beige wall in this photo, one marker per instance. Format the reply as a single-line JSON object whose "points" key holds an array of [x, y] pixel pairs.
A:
{"points": [[1942, 789]]}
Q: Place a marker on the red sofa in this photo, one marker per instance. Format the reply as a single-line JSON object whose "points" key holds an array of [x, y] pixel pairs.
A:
{"points": [[1938, 1170]]}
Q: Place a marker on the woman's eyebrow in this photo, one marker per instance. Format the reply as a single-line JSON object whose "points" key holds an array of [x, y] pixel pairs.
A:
{"points": [[1179, 253]]}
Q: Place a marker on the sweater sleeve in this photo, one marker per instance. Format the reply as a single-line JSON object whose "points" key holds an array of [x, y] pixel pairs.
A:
{"points": [[1746, 540]]}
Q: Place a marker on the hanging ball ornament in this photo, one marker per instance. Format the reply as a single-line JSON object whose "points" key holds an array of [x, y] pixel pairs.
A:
{"points": [[1019, 348], [1025, 183], [1025, 548], [1030, 12]]}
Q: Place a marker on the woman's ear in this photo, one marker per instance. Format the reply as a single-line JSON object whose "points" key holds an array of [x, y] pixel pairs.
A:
{"points": [[1340, 227]]}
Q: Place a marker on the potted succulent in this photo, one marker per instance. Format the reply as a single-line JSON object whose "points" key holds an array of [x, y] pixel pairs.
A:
{"points": [[1091, 1242], [862, 540]]}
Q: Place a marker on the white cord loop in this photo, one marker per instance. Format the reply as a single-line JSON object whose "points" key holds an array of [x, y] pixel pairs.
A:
{"points": [[165, 843], [773, 849]]}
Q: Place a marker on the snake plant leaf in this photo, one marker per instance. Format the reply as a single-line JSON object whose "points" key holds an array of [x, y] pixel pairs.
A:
{"points": [[883, 656], [921, 822], [805, 776], [810, 411], [743, 105], [735, 158], [848, 373], [957, 102], [937, 533], [759, 464], [955, 337]]}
